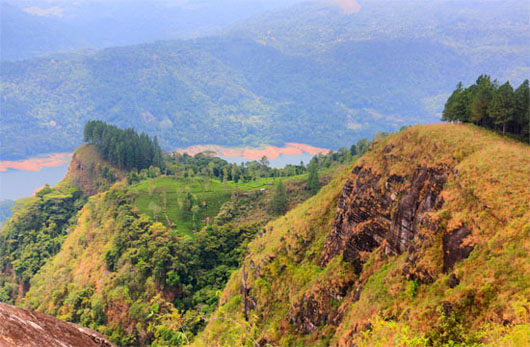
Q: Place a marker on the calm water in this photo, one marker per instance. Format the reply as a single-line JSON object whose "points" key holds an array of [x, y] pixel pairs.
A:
{"points": [[16, 184]]}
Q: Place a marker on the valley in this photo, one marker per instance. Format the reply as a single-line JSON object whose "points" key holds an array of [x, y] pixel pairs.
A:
{"points": [[264, 173], [270, 79]]}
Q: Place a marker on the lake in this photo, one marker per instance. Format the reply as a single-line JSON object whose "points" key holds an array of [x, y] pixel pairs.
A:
{"points": [[16, 184], [19, 179]]}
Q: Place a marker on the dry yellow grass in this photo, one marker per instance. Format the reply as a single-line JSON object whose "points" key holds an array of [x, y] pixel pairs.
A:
{"points": [[487, 190]]}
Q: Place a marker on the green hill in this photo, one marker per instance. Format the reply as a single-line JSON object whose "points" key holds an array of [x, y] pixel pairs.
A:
{"points": [[425, 242], [140, 281], [142, 256], [422, 241]]}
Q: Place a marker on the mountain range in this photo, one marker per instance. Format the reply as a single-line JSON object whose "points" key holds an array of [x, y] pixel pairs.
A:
{"points": [[322, 73]]}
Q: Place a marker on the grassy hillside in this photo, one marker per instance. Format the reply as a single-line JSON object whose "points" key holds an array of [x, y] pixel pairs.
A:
{"points": [[429, 246], [171, 195], [140, 281]]}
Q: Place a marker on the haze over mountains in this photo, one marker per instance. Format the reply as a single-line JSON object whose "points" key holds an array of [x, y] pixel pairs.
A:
{"points": [[418, 237], [36, 28], [322, 73]]}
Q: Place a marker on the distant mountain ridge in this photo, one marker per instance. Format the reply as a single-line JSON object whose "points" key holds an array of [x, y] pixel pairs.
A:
{"points": [[32, 28], [309, 74]]}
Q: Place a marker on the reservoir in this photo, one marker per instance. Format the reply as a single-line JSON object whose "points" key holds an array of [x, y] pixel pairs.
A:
{"points": [[19, 179]]}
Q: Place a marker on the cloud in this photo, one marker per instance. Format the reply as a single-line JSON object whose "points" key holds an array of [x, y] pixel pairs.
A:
{"points": [[45, 12]]}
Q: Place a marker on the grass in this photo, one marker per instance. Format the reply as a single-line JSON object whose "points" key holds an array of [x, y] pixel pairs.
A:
{"points": [[487, 190], [208, 195]]}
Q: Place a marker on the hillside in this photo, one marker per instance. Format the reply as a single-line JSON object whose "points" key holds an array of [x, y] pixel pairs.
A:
{"points": [[38, 227], [142, 255], [140, 281], [425, 241], [247, 88]]}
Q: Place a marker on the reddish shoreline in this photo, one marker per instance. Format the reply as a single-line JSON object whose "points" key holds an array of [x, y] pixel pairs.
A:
{"points": [[36, 164], [271, 152]]}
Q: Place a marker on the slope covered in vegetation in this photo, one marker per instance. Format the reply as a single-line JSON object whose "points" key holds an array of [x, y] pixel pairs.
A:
{"points": [[424, 242], [142, 256], [40, 224], [140, 281]]}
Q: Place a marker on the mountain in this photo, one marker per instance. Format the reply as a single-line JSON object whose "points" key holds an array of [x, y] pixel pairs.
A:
{"points": [[31, 28], [141, 256], [424, 241], [246, 88], [21, 327], [474, 27]]}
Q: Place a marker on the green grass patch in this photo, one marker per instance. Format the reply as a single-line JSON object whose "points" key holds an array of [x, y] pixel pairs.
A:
{"points": [[185, 204]]}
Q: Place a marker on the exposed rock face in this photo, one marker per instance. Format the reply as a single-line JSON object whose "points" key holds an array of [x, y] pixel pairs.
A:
{"points": [[454, 249], [372, 211], [318, 306], [248, 301], [90, 172], [382, 211], [20, 327]]}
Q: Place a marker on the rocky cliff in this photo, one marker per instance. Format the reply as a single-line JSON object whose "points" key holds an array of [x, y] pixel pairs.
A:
{"points": [[423, 242], [20, 327], [88, 171]]}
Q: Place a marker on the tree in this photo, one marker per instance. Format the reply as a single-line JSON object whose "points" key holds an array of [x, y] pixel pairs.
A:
{"points": [[155, 208], [502, 105], [353, 150], [280, 204], [481, 101], [123, 147], [313, 182], [457, 106], [522, 110], [362, 146]]}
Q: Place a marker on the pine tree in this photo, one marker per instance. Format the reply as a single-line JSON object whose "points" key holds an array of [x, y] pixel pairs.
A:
{"points": [[353, 150], [502, 105], [124, 148], [280, 204], [457, 106], [481, 101], [522, 110]]}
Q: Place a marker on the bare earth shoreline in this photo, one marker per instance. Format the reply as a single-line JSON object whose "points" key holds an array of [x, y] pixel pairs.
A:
{"points": [[271, 152]]}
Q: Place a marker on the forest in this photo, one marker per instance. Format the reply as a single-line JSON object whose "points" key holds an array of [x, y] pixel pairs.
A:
{"points": [[123, 147], [170, 234], [492, 105]]}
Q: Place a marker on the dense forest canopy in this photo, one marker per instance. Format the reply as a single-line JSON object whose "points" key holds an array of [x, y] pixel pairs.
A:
{"points": [[492, 105], [123, 147]]}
